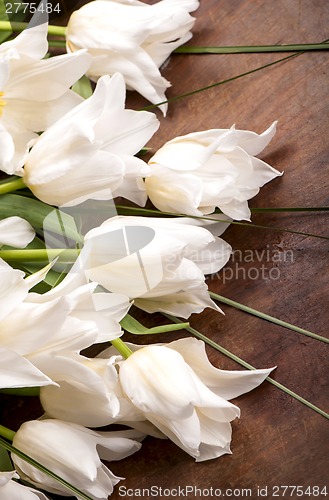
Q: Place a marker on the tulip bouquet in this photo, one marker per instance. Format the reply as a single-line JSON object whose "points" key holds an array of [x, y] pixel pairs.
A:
{"points": [[80, 256]]}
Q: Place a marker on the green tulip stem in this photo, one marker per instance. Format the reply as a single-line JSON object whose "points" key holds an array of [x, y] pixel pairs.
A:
{"points": [[185, 49], [7, 433], [16, 26], [40, 255], [122, 348], [12, 185], [242, 49]]}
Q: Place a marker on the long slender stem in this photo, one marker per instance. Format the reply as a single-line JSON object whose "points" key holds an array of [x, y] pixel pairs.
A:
{"points": [[40, 255], [12, 185], [256, 210], [123, 208], [249, 367], [122, 348], [17, 26], [7, 433], [208, 87], [184, 49], [267, 317], [241, 49]]}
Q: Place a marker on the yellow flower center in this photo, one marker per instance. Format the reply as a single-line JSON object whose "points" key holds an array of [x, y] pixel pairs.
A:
{"points": [[2, 102]]}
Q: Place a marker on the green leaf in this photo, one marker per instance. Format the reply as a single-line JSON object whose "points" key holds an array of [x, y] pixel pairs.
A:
{"points": [[22, 391], [5, 462], [267, 317], [131, 325], [83, 87], [35, 212], [3, 17], [16, 8]]}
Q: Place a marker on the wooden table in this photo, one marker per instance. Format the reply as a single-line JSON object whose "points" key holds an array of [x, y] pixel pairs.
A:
{"points": [[278, 441]]}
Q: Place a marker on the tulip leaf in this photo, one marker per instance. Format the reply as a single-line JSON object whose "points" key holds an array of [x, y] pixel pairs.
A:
{"points": [[131, 325], [15, 9], [267, 317], [83, 87], [37, 465], [35, 212], [3, 17], [20, 391], [5, 462]]}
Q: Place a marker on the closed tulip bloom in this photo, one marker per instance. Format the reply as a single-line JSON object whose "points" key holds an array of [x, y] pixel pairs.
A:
{"points": [[89, 153], [89, 392], [34, 327], [34, 92], [195, 173], [132, 38], [159, 263], [72, 452], [184, 396]]}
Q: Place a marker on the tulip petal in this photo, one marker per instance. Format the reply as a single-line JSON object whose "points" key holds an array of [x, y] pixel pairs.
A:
{"points": [[16, 371], [85, 394], [16, 232], [31, 43], [152, 392], [13, 288], [253, 143], [11, 490], [225, 383]]}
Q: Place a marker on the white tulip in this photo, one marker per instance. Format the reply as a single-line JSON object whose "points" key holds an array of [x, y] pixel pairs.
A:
{"points": [[195, 173], [184, 396], [16, 232], [86, 304], [159, 263], [34, 92], [86, 390], [132, 38], [89, 393], [89, 153], [33, 327], [72, 452], [11, 490], [15, 370]]}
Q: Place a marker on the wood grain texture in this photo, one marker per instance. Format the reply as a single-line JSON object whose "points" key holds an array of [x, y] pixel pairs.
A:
{"points": [[277, 440]]}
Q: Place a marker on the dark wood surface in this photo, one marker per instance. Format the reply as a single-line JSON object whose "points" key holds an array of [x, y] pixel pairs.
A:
{"points": [[278, 440]]}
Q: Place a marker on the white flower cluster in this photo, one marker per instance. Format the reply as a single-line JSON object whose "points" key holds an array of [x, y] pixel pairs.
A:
{"points": [[67, 150]]}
